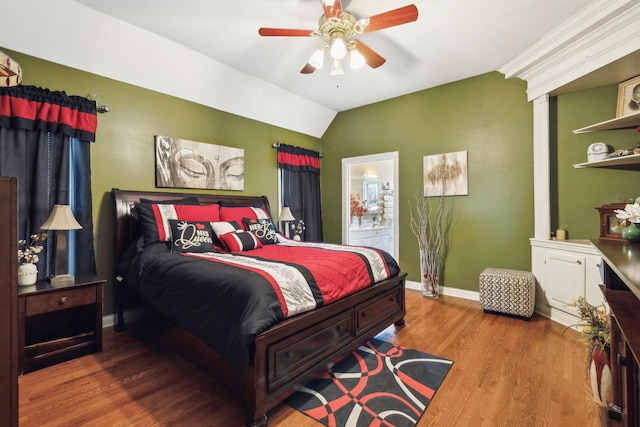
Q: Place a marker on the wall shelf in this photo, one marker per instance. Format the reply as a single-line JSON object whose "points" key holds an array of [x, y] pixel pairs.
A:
{"points": [[632, 159], [624, 122]]}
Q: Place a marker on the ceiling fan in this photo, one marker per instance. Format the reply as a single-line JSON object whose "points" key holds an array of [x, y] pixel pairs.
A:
{"points": [[338, 30]]}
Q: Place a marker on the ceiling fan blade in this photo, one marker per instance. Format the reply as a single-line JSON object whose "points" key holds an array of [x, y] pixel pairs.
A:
{"points": [[307, 69], [286, 32], [373, 59], [332, 8], [390, 18]]}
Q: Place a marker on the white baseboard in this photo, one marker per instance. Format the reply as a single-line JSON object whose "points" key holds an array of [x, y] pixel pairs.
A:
{"points": [[554, 314], [444, 290]]}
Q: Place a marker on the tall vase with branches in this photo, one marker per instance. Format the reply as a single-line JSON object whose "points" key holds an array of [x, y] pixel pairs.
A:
{"points": [[430, 224]]}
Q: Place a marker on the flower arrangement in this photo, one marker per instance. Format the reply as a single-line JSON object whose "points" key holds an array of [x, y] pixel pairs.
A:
{"points": [[357, 207], [29, 254], [595, 326], [298, 229], [631, 211]]}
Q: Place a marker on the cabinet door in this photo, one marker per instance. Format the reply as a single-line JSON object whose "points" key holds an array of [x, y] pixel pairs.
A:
{"points": [[566, 279], [386, 243]]}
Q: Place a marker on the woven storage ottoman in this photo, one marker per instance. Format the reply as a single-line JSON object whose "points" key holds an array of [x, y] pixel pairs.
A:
{"points": [[509, 292]]}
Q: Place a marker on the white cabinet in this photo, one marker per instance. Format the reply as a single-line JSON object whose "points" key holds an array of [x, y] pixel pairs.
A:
{"points": [[565, 270], [381, 238]]}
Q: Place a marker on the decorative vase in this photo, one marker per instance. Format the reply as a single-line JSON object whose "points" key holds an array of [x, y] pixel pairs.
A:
{"points": [[600, 375], [359, 221], [632, 232], [429, 274], [297, 237], [27, 274]]}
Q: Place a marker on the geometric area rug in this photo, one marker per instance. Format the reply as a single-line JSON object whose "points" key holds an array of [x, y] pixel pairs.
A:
{"points": [[379, 384]]}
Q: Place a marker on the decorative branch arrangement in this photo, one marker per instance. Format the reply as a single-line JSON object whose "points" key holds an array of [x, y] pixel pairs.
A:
{"points": [[430, 224]]}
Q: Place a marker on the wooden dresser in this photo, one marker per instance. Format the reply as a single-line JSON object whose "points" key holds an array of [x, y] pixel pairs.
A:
{"points": [[8, 302], [621, 268]]}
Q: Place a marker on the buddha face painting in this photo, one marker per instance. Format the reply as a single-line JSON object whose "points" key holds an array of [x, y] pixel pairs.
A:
{"points": [[188, 164]]}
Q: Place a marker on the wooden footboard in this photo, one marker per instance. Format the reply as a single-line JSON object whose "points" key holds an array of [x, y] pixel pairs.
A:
{"points": [[288, 354], [291, 353]]}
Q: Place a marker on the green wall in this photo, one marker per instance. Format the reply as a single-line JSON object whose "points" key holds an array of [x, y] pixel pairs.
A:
{"points": [[487, 116]]}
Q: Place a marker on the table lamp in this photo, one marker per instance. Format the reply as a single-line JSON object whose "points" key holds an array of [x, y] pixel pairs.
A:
{"points": [[285, 217], [61, 220]]}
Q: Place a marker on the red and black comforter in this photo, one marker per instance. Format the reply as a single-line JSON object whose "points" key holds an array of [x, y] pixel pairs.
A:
{"points": [[227, 299]]}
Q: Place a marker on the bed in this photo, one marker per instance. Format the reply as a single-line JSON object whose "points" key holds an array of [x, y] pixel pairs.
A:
{"points": [[264, 363]]}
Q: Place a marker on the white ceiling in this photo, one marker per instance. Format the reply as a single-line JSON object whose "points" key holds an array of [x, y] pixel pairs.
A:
{"points": [[451, 40], [209, 52]]}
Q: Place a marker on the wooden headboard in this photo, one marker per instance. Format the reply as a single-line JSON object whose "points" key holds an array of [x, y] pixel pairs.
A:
{"points": [[126, 227]]}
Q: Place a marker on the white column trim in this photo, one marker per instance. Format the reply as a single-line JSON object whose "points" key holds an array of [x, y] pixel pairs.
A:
{"points": [[541, 168]]}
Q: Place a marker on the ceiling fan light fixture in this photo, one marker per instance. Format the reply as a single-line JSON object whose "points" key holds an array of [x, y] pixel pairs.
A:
{"points": [[356, 59], [338, 48], [336, 68], [317, 59], [338, 30]]}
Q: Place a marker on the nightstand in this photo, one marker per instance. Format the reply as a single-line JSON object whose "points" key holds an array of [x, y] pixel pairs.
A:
{"points": [[58, 324]]}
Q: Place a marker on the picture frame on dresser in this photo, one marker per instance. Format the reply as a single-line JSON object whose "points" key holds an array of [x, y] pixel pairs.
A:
{"points": [[628, 97], [610, 225]]}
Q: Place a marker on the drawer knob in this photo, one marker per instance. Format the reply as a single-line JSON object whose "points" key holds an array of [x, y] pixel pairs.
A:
{"points": [[62, 300], [614, 411], [340, 329], [289, 356], [364, 314]]}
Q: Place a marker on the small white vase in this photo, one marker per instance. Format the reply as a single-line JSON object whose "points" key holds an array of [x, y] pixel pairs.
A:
{"points": [[27, 274], [296, 237]]}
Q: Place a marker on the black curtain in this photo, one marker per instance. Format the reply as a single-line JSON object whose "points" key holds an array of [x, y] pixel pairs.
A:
{"points": [[301, 188], [40, 133]]}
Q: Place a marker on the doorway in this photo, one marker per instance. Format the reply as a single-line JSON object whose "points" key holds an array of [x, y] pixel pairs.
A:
{"points": [[370, 201]]}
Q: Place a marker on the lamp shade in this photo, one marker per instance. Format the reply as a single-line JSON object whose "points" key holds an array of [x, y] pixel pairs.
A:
{"points": [[285, 215], [61, 218]]}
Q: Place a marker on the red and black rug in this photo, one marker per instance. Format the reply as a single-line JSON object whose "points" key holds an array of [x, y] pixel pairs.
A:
{"points": [[379, 384]]}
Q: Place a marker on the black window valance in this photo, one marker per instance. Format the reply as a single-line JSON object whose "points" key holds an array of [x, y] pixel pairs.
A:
{"points": [[300, 159], [34, 108]]}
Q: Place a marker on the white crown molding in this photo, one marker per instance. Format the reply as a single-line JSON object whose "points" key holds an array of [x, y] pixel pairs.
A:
{"points": [[599, 34]]}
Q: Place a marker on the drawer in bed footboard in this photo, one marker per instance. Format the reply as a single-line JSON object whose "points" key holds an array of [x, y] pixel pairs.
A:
{"points": [[376, 309], [304, 350]]}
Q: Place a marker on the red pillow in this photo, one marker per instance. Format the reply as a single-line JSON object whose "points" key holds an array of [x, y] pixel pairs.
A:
{"points": [[154, 218], [238, 241], [237, 213]]}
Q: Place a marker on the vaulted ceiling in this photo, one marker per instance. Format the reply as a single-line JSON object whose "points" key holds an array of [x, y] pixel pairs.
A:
{"points": [[210, 52]]}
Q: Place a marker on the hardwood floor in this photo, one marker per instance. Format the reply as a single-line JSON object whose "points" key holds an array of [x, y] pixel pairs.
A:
{"points": [[506, 372]]}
